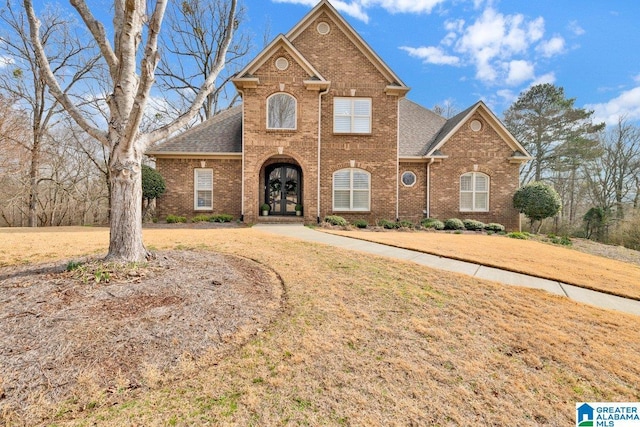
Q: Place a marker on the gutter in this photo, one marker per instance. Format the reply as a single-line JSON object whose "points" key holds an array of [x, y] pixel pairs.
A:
{"points": [[320, 94], [428, 209]]}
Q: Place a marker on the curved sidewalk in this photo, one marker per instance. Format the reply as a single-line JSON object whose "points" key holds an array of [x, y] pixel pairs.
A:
{"points": [[575, 293]]}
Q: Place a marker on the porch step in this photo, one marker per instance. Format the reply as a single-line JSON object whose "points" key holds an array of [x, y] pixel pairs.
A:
{"points": [[275, 219]]}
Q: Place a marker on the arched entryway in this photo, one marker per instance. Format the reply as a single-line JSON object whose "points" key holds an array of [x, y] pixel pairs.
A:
{"points": [[283, 188]]}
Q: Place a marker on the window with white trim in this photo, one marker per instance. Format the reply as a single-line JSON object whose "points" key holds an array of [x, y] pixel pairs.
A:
{"points": [[281, 111], [474, 192], [352, 115], [203, 189], [351, 190]]}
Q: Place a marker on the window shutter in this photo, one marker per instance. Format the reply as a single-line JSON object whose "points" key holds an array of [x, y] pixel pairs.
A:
{"points": [[204, 188], [466, 201], [481, 183], [466, 183], [482, 200]]}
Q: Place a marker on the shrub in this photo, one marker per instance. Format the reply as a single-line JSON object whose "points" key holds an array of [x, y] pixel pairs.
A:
{"points": [[405, 224], [518, 235], [335, 220], [360, 223], [221, 218], [436, 224], [564, 240], [174, 219], [472, 224], [197, 218], [453, 224], [389, 225], [537, 201], [494, 226]]}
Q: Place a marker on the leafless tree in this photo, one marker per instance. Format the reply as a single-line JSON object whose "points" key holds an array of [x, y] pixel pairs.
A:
{"points": [[23, 79], [613, 177], [132, 61], [196, 30]]}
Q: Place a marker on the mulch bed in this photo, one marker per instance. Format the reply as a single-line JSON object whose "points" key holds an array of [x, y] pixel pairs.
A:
{"points": [[111, 325]]}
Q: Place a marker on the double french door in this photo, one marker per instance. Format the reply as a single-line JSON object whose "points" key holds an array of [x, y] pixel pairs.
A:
{"points": [[283, 189]]}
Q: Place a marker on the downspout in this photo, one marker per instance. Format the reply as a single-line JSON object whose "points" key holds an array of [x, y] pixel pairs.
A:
{"points": [[320, 94], [428, 209], [398, 161], [242, 149]]}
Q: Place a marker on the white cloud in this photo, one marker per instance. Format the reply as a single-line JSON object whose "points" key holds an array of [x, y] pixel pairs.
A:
{"points": [[358, 8], [545, 78], [576, 29], [431, 55], [551, 47], [627, 104], [5, 61], [519, 72], [403, 6], [636, 78]]}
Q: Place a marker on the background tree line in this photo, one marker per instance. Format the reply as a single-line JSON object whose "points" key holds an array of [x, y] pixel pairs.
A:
{"points": [[52, 173], [594, 168]]}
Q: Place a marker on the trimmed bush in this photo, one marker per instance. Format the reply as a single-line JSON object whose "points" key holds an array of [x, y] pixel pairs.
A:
{"points": [[436, 224], [335, 220], [453, 224], [389, 225], [494, 226], [472, 224], [174, 219], [198, 218], [221, 218], [518, 235], [405, 224], [360, 223]]}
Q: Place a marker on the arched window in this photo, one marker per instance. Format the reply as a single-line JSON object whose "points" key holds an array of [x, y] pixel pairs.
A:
{"points": [[351, 190], [474, 192], [281, 111]]}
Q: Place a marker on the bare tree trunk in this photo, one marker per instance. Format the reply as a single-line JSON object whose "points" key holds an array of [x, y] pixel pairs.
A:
{"points": [[33, 183], [126, 211]]}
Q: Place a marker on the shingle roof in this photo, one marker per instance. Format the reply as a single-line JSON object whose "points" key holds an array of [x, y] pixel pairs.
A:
{"points": [[448, 127], [420, 131], [221, 133], [419, 127]]}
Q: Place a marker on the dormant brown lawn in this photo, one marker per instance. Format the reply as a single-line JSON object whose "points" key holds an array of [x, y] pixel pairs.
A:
{"points": [[530, 257], [369, 341]]}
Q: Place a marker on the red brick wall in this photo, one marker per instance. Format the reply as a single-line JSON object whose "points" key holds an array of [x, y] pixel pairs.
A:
{"points": [[413, 200], [470, 151], [179, 178]]}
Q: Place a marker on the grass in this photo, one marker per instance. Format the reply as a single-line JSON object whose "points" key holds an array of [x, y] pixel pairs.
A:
{"points": [[367, 341], [529, 257]]}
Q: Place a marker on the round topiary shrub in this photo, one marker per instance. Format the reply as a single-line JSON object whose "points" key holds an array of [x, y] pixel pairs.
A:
{"points": [[336, 220], [453, 224], [472, 224], [433, 223]]}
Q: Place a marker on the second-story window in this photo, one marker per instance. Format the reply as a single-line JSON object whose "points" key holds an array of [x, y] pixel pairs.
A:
{"points": [[281, 111], [352, 115]]}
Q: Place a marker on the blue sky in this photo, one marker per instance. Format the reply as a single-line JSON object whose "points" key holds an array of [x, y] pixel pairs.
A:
{"points": [[462, 51]]}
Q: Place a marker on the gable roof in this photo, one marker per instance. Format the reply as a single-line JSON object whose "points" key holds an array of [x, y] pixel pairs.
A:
{"points": [[220, 134], [279, 42], [453, 125], [324, 6]]}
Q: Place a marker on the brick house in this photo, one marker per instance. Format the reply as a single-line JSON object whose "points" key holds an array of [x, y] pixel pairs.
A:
{"points": [[325, 124]]}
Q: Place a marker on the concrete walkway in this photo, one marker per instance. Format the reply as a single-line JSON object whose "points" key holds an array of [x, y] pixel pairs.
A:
{"points": [[576, 293]]}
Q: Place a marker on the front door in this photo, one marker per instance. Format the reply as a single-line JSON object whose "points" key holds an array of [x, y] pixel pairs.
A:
{"points": [[283, 188]]}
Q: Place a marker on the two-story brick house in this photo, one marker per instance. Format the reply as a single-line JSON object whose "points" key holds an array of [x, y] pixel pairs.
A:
{"points": [[325, 124]]}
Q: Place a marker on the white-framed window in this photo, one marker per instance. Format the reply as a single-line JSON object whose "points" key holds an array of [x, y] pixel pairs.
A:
{"points": [[351, 190], [408, 179], [281, 111], [351, 115], [474, 192], [203, 189]]}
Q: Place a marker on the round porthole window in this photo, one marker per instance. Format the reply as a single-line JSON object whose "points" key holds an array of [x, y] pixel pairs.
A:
{"points": [[323, 28], [282, 63], [476, 125], [408, 179]]}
